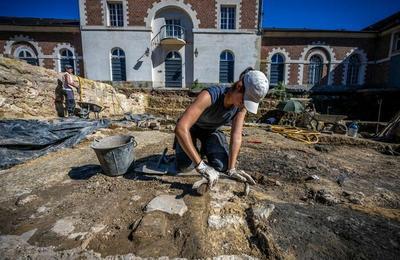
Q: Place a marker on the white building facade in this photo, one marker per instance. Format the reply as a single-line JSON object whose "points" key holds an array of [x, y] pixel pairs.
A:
{"points": [[169, 43]]}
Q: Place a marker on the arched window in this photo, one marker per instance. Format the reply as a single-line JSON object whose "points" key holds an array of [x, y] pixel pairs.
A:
{"points": [[118, 68], [66, 58], [28, 56], [226, 67], [315, 70], [353, 70], [277, 69]]}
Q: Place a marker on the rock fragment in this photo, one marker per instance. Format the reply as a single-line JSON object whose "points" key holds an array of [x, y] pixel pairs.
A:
{"points": [[152, 225], [168, 204], [324, 197], [219, 222], [63, 227], [25, 199], [263, 210]]}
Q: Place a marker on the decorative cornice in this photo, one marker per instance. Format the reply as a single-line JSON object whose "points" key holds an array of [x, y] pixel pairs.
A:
{"points": [[57, 58], [318, 46], [21, 38]]}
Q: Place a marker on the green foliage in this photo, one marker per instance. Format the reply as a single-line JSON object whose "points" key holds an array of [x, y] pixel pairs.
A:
{"points": [[197, 86], [280, 92]]}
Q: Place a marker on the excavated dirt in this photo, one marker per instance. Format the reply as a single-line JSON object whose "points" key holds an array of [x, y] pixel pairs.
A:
{"points": [[61, 206]]}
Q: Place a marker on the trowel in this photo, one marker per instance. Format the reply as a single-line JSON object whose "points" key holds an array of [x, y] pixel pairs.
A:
{"points": [[162, 166], [165, 165]]}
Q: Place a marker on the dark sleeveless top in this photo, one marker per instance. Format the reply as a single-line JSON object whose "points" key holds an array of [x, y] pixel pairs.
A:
{"points": [[216, 115]]}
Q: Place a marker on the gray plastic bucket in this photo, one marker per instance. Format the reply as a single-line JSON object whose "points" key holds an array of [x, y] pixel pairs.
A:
{"points": [[115, 153]]}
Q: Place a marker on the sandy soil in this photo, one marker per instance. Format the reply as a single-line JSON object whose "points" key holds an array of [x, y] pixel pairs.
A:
{"points": [[60, 205]]}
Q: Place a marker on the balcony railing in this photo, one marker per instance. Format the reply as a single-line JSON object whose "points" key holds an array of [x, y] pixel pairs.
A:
{"points": [[170, 35]]}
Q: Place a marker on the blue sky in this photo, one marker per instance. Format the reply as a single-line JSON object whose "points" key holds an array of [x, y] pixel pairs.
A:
{"points": [[313, 14]]}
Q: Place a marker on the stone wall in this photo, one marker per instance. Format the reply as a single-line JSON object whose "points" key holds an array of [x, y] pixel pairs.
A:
{"points": [[34, 92]]}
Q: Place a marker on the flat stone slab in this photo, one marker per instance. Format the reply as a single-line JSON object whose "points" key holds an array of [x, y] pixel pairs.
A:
{"points": [[64, 226], [168, 204], [219, 222]]}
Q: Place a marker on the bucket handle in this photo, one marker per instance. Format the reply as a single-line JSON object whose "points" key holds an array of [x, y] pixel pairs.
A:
{"points": [[134, 141]]}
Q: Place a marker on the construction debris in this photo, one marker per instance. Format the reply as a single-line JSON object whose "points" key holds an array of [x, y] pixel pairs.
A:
{"points": [[391, 132]]}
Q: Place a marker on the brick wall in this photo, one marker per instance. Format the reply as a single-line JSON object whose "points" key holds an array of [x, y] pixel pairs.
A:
{"points": [[382, 47], [206, 12], [378, 74], [249, 14], [47, 42], [295, 46], [293, 76], [205, 9], [341, 47], [94, 12], [338, 74], [138, 11]]}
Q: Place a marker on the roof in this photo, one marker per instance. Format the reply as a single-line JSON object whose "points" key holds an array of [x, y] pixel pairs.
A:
{"points": [[385, 24], [30, 21], [271, 29]]}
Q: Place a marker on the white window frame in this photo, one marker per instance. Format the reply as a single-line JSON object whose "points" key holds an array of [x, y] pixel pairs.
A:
{"points": [[60, 58], [278, 63], [227, 60], [362, 56], [109, 14], [27, 49], [313, 74], [174, 32], [354, 74], [396, 42], [228, 18], [111, 56], [229, 3]]}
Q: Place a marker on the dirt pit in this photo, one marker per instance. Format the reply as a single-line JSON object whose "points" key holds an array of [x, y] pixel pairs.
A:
{"points": [[340, 202]]}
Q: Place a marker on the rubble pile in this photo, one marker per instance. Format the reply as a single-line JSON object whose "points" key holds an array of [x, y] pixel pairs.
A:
{"points": [[28, 91]]}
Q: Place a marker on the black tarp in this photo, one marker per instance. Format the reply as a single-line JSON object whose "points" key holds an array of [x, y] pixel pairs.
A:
{"points": [[21, 140]]}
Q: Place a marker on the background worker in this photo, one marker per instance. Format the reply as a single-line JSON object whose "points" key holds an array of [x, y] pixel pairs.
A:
{"points": [[69, 93], [213, 108]]}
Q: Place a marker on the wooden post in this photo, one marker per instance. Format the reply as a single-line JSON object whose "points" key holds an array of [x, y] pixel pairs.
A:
{"points": [[379, 115]]}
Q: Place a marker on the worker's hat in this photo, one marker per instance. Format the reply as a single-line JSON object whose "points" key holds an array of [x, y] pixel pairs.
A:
{"points": [[256, 87]]}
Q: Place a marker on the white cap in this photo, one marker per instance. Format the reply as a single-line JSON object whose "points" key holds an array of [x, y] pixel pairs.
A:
{"points": [[256, 87]]}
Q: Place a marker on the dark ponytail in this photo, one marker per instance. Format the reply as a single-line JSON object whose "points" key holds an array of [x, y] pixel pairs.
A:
{"points": [[244, 72], [239, 85]]}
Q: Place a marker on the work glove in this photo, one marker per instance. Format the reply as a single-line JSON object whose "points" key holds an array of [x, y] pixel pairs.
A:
{"points": [[209, 174], [241, 176]]}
